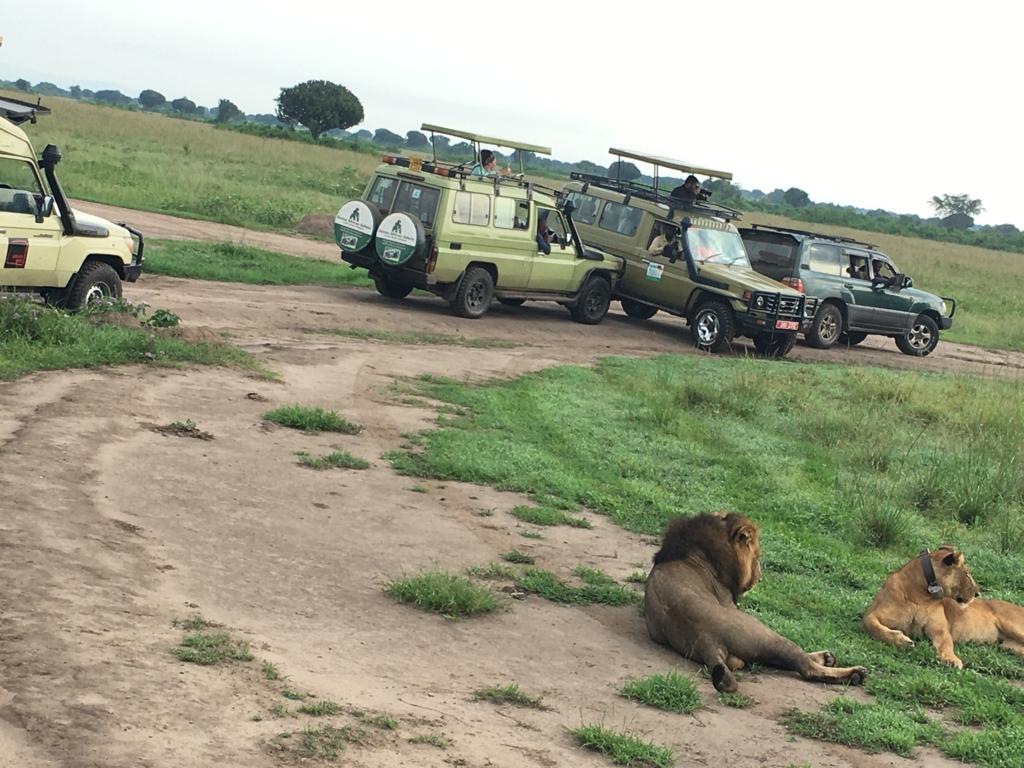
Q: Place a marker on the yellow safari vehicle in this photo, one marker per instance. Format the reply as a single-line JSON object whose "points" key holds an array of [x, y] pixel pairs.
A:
{"points": [[69, 257], [471, 235], [684, 256]]}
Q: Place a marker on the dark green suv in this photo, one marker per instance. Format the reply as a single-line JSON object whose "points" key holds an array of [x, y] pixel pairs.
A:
{"points": [[860, 290]]}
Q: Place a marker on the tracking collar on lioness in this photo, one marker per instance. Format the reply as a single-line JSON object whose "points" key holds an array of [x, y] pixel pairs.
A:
{"points": [[929, 574]]}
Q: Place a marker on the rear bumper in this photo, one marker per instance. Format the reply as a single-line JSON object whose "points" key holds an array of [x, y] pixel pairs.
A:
{"points": [[405, 274]]}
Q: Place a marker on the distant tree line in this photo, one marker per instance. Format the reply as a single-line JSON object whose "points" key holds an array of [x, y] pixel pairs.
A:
{"points": [[319, 111]]}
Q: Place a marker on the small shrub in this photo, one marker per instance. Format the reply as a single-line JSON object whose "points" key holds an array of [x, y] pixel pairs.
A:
{"points": [[548, 516], [622, 748], [335, 460], [736, 700], [671, 691], [321, 708], [434, 739], [163, 318], [212, 648], [444, 593], [271, 671], [312, 419], [495, 571], [508, 694], [515, 556]]}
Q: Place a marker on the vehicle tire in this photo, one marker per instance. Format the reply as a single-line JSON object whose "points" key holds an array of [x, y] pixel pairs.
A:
{"points": [[96, 281], [592, 302], [851, 338], [922, 339], [475, 292], [512, 302], [775, 346], [637, 309], [712, 326], [391, 288], [826, 327]]}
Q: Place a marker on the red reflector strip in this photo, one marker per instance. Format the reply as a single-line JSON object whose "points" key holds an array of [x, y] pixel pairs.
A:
{"points": [[17, 253]]}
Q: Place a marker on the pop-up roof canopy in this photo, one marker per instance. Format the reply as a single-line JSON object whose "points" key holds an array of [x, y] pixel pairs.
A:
{"points": [[477, 138], [668, 162], [21, 111]]}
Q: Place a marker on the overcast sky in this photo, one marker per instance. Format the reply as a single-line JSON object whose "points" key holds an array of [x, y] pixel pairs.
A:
{"points": [[873, 104]]}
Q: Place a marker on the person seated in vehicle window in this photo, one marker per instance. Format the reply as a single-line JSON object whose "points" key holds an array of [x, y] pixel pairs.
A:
{"points": [[487, 165], [544, 234], [858, 268], [688, 190], [883, 271], [666, 235]]}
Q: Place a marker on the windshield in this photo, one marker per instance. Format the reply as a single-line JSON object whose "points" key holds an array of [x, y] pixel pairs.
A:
{"points": [[717, 246]]}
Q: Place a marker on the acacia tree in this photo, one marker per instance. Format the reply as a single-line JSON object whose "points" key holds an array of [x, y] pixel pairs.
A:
{"points": [[947, 205], [184, 105], [627, 171], [319, 105], [151, 99]]}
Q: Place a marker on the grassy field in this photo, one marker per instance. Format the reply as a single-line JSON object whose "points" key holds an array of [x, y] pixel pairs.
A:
{"points": [[844, 494], [152, 162]]}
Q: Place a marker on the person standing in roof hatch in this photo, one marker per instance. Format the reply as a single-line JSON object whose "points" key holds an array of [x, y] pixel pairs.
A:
{"points": [[487, 165]]}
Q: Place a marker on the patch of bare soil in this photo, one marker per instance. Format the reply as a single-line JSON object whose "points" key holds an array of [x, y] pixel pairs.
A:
{"points": [[110, 532]]}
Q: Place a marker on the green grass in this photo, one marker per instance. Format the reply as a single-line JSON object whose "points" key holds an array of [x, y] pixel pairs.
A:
{"points": [[208, 648], [509, 694], [596, 588], [445, 593], [515, 556], [193, 623], [433, 739], [322, 708], [323, 743], [430, 339], [670, 691], [312, 419], [849, 471], [148, 161], [271, 671], [548, 516], [492, 571], [637, 577], [736, 700], [333, 460], [35, 337], [232, 263], [623, 748]]}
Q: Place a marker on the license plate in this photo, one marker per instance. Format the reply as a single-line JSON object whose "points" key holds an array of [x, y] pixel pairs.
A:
{"points": [[787, 325]]}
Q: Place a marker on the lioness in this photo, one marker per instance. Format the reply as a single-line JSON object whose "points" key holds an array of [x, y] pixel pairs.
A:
{"points": [[933, 595], [704, 565]]}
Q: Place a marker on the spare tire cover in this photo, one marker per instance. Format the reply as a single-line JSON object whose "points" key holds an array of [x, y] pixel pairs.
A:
{"points": [[355, 225], [400, 237]]}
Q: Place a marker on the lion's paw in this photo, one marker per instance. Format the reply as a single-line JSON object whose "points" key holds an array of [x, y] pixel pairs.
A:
{"points": [[904, 642], [858, 676], [953, 661], [828, 658]]}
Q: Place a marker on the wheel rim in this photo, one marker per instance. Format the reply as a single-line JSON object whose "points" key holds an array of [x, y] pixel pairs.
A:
{"points": [[707, 327], [98, 292], [476, 295], [828, 328], [594, 302], [920, 336]]}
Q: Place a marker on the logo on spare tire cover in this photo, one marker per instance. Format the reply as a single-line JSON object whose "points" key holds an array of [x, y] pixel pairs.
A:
{"points": [[396, 239], [353, 226]]}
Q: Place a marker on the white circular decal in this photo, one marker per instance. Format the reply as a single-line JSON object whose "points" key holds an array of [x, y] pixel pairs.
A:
{"points": [[396, 238], [353, 226]]}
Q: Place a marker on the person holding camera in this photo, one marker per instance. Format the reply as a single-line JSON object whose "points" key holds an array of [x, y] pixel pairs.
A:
{"points": [[689, 190], [665, 236]]}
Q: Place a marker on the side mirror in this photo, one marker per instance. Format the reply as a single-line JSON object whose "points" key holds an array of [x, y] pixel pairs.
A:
{"points": [[671, 251], [568, 208], [44, 207]]}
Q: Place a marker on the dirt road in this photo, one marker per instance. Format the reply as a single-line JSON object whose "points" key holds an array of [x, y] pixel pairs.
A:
{"points": [[110, 530]]}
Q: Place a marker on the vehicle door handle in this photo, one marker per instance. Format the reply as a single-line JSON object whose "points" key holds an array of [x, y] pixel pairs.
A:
{"points": [[41, 236], [849, 285]]}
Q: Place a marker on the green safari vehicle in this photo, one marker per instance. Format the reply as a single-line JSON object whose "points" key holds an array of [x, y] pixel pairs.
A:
{"points": [[450, 229], [684, 256]]}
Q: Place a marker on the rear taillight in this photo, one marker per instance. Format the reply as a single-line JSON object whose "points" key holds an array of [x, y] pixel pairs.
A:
{"points": [[17, 253], [796, 283], [432, 261]]}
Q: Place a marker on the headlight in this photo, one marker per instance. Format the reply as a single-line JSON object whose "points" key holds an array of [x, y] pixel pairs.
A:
{"points": [[759, 302], [945, 309]]}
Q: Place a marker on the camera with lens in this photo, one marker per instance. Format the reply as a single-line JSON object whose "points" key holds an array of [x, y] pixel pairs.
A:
{"points": [[703, 194]]}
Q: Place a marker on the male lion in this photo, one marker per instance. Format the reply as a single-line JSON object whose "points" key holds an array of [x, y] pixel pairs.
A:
{"points": [[704, 565], [933, 595]]}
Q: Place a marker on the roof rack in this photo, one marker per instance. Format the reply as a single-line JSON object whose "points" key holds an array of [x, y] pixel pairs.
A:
{"points": [[668, 162], [655, 195], [835, 238], [18, 111]]}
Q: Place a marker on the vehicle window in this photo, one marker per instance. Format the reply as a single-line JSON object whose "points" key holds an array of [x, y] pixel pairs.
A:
{"points": [[555, 222], [622, 219], [825, 259], [883, 268], [717, 246], [472, 208], [858, 268], [383, 192], [777, 256], [418, 201], [586, 207], [511, 214], [18, 184]]}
